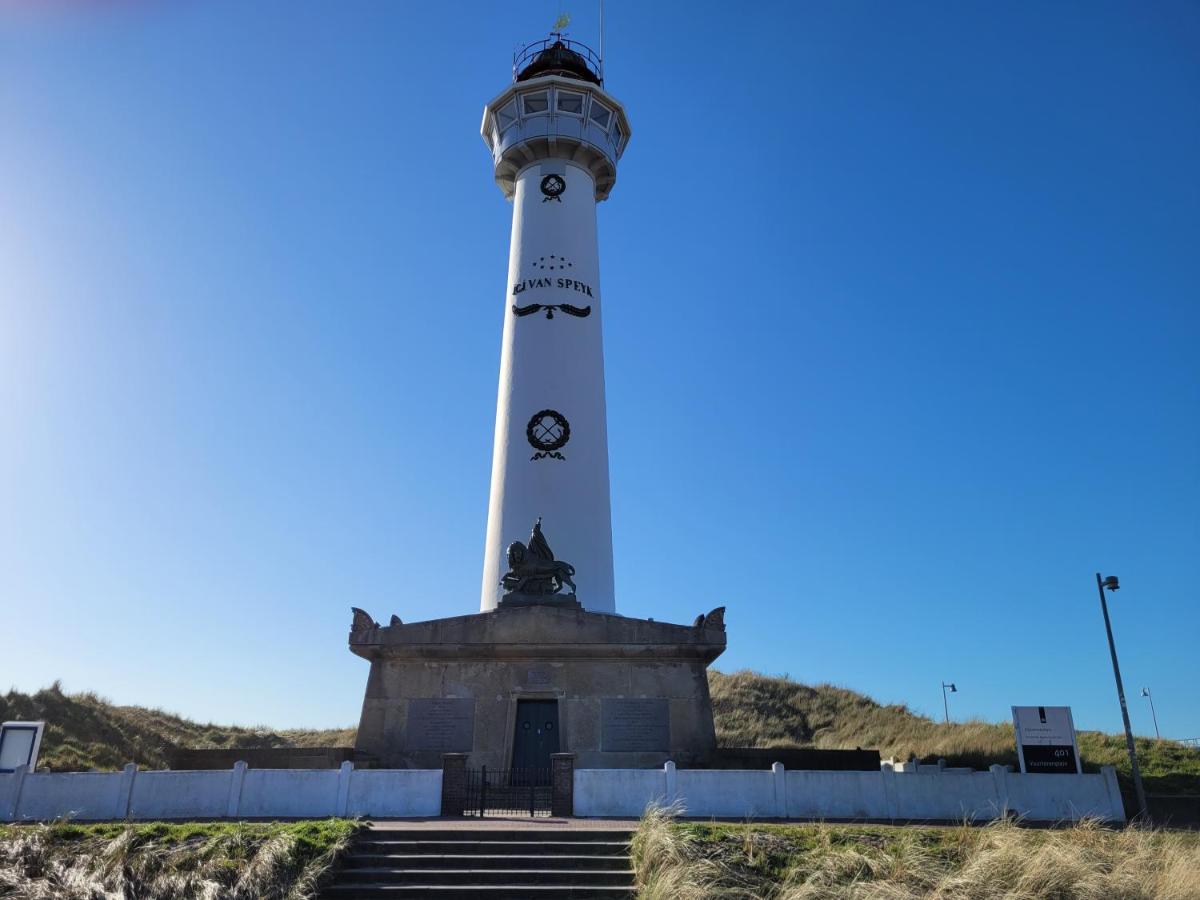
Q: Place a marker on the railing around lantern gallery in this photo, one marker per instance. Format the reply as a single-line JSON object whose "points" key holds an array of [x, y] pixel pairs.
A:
{"points": [[507, 792], [524, 56]]}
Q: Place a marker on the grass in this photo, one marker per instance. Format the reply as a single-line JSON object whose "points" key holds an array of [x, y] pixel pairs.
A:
{"points": [[753, 710], [803, 862], [84, 731], [160, 861]]}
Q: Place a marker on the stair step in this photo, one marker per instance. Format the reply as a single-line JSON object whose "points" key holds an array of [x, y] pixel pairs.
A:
{"points": [[512, 835], [570, 848], [487, 892], [358, 860], [485, 864], [475, 877]]}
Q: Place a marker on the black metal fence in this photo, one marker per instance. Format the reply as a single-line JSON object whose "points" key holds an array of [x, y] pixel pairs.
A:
{"points": [[508, 792]]}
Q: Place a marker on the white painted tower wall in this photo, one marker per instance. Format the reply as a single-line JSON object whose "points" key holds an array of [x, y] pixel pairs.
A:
{"points": [[553, 362]]}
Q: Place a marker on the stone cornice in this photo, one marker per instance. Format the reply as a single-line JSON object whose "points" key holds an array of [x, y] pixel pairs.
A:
{"points": [[539, 632]]}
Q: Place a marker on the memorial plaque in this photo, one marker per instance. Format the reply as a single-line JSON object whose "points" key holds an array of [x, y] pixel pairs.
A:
{"points": [[627, 726], [444, 725]]}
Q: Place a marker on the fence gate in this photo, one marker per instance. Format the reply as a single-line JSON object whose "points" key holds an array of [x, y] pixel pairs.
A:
{"points": [[508, 792]]}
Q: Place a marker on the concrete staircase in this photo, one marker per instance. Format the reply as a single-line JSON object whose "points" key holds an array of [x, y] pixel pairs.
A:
{"points": [[478, 864]]}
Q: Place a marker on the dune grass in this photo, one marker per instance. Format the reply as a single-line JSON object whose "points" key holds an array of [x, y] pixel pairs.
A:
{"points": [[159, 861], [693, 861], [84, 731], [754, 710]]}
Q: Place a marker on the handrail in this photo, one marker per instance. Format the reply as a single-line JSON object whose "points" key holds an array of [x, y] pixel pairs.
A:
{"points": [[525, 55]]}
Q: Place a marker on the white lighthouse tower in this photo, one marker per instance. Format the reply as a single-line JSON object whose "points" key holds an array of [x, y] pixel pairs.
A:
{"points": [[555, 137]]}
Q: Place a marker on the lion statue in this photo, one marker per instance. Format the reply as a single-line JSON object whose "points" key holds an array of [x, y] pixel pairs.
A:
{"points": [[533, 570]]}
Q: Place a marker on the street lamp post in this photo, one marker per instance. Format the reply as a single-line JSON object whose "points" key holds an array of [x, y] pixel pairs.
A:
{"points": [[1112, 583], [945, 702], [1146, 693]]}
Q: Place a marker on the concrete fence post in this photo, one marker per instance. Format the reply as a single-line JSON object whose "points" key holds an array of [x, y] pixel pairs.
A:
{"points": [[345, 773], [1113, 789], [454, 784], [125, 791], [562, 784], [10, 805], [236, 779], [779, 777], [672, 793], [1000, 782], [887, 775]]}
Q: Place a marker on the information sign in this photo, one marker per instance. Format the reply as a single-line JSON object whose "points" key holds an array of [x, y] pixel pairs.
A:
{"points": [[1046, 740]]}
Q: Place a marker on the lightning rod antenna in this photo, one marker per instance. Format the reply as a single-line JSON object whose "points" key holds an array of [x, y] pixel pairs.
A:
{"points": [[602, 41]]}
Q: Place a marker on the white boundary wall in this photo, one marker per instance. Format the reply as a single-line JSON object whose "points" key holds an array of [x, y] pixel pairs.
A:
{"points": [[948, 795], [236, 793]]}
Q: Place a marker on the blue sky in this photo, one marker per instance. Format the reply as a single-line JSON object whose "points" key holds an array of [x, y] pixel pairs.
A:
{"points": [[901, 332]]}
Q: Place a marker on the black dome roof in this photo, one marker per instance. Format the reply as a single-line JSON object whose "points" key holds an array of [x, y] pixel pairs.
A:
{"points": [[559, 59]]}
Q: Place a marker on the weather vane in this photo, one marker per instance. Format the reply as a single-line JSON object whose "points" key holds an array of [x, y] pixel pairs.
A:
{"points": [[563, 20]]}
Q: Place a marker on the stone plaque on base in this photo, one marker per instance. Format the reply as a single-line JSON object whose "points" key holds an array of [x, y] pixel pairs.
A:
{"points": [[447, 726], [634, 725]]}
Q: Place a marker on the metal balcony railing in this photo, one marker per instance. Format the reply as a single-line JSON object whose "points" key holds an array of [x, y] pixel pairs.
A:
{"points": [[527, 55]]}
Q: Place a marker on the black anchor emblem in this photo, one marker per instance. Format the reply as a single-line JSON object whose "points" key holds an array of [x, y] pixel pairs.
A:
{"points": [[546, 432], [552, 187]]}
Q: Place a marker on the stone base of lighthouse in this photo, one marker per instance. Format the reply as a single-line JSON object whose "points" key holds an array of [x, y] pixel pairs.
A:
{"points": [[511, 686]]}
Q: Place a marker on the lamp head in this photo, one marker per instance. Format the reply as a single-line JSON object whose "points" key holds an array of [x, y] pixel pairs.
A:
{"points": [[1111, 583], [952, 688], [1145, 692]]}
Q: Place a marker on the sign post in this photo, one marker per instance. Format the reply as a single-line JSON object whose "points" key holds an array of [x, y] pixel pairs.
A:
{"points": [[1046, 740]]}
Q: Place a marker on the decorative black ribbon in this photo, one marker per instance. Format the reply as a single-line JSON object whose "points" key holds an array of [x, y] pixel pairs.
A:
{"points": [[554, 455], [580, 312]]}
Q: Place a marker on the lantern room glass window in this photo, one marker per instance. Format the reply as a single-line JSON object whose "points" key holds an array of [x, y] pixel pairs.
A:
{"points": [[619, 132], [535, 104], [570, 102], [507, 114], [600, 114]]}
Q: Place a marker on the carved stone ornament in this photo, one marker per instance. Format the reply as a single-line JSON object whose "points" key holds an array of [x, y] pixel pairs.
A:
{"points": [[715, 619], [395, 621], [533, 571], [362, 621]]}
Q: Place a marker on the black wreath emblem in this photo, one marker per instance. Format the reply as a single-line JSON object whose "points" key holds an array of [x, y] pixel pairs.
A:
{"points": [[547, 431], [553, 186]]}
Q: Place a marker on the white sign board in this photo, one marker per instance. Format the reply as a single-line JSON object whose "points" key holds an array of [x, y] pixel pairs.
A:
{"points": [[19, 744], [1046, 740]]}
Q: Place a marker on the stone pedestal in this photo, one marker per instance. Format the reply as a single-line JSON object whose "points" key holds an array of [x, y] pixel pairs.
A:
{"points": [[630, 693], [561, 601], [562, 784], [454, 783]]}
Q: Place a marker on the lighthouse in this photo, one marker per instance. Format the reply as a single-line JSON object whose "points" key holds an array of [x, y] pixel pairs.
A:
{"points": [[555, 136], [539, 677]]}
